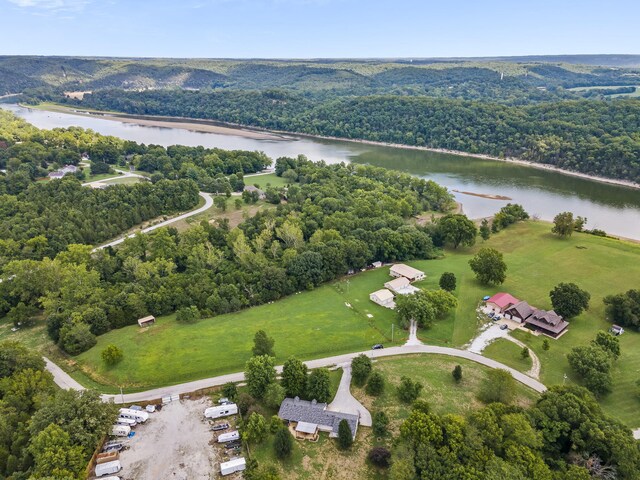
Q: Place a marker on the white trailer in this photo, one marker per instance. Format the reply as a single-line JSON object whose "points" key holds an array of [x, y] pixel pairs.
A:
{"points": [[120, 431], [232, 466], [221, 411], [229, 437], [108, 468], [139, 416]]}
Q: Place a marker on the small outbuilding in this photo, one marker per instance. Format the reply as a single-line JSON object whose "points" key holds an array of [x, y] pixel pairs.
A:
{"points": [[147, 321], [501, 301], [616, 330], [402, 270], [383, 297], [401, 286]]}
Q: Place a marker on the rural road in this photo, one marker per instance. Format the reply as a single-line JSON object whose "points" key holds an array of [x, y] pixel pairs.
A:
{"points": [[65, 381]]}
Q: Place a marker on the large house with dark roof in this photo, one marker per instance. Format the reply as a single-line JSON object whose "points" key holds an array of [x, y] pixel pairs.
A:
{"points": [[312, 416], [547, 322]]}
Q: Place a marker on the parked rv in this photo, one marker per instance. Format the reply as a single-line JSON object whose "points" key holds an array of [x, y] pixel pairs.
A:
{"points": [[229, 437], [221, 411], [138, 416], [232, 466], [120, 430], [108, 468]]}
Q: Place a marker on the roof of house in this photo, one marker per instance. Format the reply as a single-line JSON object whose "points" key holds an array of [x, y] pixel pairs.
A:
{"points": [[547, 320], [397, 283], [406, 270], [312, 412], [306, 427], [503, 299], [523, 309], [252, 188], [383, 294]]}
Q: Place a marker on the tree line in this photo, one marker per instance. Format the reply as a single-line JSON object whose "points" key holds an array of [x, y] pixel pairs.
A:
{"points": [[45, 432], [588, 136], [336, 218]]}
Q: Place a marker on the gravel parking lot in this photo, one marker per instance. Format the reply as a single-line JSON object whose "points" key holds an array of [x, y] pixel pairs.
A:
{"points": [[175, 443]]}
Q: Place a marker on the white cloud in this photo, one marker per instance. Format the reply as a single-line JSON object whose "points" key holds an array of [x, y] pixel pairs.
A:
{"points": [[52, 5]]}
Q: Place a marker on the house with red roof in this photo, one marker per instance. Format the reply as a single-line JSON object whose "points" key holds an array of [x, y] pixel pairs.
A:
{"points": [[501, 301]]}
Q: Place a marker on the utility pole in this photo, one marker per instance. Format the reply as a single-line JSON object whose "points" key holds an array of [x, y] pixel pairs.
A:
{"points": [[392, 328], [121, 396]]}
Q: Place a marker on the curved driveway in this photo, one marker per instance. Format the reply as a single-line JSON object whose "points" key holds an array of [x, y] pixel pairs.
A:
{"points": [[64, 381]]}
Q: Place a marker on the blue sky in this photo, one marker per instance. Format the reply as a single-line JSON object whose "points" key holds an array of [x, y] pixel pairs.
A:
{"points": [[318, 28]]}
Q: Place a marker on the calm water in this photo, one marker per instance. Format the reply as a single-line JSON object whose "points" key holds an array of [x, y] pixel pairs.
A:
{"points": [[608, 207]]}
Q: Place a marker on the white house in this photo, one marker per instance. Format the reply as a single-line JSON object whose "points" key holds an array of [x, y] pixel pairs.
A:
{"points": [[402, 270], [383, 297], [401, 286]]}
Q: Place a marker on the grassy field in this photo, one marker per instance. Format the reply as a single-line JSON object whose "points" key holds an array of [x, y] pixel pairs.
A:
{"points": [[264, 181], [324, 460], [508, 353]]}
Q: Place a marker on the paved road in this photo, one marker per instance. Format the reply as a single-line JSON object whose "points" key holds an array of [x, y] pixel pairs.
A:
{"points": [[322, 362], [62, 378], [345, 402], [208, 203]]}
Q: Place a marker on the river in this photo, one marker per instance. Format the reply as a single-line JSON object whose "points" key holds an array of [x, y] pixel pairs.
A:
{"points": [[615, 209]]}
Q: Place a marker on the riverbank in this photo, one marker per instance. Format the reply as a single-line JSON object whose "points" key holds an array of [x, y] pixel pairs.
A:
{"points": [[229, 128]]}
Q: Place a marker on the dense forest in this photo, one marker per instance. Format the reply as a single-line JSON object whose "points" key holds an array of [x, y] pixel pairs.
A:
{"points": [[336, 218], [45, 432], [593, 137], [565, 435]]}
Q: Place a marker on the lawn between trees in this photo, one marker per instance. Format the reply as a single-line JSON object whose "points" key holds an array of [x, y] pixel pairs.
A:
{"points": [[318, 323]]}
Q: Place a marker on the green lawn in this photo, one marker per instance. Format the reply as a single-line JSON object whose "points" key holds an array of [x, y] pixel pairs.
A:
{"points": [[508, 353], [264, 181]]}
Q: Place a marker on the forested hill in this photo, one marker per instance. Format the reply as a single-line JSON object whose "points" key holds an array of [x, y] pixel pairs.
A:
{"points": [[593, 137]]}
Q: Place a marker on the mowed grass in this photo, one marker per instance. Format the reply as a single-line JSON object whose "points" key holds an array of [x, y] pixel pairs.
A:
{"points": [[508, 353], [267, 180], [308, 325]]}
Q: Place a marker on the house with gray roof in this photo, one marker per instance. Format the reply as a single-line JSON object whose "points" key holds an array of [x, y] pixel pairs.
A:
{"points": [[315, 416]]}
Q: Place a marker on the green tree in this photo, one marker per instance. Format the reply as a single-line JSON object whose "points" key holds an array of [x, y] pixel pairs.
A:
{"points": [[457, 373], [263, 344], [485, 230], [593, 364], [497, 386], [238, 204], [361, 367], [375, 384], [319, 385], [545, 345], [425, 307], [76, 337], [294, 377], [230, 391], [112, 354], [22, 314], [569, 300], [624, 308], [563, 224], [447, 281], [409, 390], [283, 443], [55, 456], [345, 436], [380, 423], [188, 315], [380, 457], [274, 395], [457, 230], [255, 429], [524, 353], [259, 373], [489, 266], [220, 203], [15, 357], [609, 343]]}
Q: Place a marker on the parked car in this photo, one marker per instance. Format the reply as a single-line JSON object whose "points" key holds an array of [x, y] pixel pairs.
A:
{"points": [[497, 317], [231, 445], [219, 427], [112, 447], [492, 314], [377, 346], [504, 326]]}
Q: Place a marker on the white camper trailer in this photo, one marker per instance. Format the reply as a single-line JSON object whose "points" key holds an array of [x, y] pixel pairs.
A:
{"points": [[108, 468], [229, 437], [139, 416], [120, 430], [221, 411], [232, 466], [129, 422]]}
